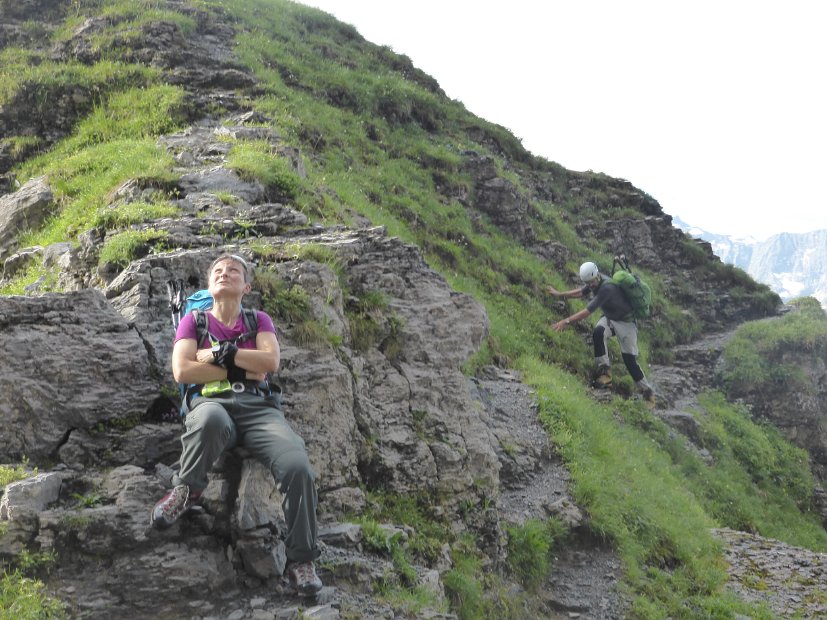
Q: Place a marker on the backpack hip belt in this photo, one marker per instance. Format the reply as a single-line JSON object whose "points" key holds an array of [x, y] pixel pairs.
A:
{"points": [[224, 389]]}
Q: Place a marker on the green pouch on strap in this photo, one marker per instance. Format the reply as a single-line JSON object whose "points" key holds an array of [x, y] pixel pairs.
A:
{"points": [[214, 388]]}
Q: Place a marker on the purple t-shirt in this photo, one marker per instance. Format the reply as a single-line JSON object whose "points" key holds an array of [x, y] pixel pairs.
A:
{"points": [[221, 332]]}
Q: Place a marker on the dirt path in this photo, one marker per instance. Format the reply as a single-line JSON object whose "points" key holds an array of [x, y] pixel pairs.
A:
{"points": [[691, 372], [535, 485]]}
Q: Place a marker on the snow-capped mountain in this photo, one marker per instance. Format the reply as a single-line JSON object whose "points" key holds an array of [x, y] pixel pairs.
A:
{"points": [[792, 264]]}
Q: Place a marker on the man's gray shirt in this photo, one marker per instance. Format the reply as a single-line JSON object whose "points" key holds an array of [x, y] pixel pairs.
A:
{"points": [[609, 298]]}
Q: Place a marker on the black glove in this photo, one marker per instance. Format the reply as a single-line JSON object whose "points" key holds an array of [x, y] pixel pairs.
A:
{"points": [[236, 374], [224, 354]]}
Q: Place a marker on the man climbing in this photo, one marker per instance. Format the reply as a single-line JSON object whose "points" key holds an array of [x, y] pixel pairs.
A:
{"points": [[616, 321], [230, 406]]}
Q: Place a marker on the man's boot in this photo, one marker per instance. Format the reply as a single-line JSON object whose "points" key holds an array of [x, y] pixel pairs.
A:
{"points": [[604, 378], [647, 393]]}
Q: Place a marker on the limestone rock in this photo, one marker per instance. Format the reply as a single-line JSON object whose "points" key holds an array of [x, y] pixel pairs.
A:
{"points": [[30, 495], [26, 208], [71, 363]]}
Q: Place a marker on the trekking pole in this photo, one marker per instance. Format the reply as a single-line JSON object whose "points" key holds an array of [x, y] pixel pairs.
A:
{"points": [[177, 299], [618, 261], [621, 260]]}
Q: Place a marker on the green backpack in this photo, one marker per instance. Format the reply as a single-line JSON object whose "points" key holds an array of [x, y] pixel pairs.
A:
{"points": [[637, 291]]}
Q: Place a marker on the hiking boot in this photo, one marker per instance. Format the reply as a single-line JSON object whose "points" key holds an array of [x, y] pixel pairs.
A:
{"points": [[604, 378], [171, 506], [649, 398], [303, 577]]}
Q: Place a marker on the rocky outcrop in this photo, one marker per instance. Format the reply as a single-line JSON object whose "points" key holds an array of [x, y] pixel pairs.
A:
{"points": [[71, 364], [23, 210], [95, 404], [498, 198]]}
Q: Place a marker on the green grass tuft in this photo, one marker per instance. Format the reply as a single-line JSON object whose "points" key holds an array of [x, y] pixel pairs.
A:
{"points": [[256, 161], [757, 356], [123, 248], [23, 598]]}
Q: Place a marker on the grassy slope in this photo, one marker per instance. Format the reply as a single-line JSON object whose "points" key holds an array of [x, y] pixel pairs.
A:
{"points": [[380, 139]]}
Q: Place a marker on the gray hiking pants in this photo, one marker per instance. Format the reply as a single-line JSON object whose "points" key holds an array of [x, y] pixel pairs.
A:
{"points": [[626, 333], [257, 424]]}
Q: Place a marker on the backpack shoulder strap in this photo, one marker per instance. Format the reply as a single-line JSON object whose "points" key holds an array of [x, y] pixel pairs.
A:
{"points": [[250, 318]]}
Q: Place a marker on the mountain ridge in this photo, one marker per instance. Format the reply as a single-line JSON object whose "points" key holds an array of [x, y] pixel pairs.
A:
{"points": [[792, 264]]}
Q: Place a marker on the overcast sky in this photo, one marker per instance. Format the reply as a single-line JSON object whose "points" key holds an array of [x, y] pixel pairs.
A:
{"points": [[715, 108]]}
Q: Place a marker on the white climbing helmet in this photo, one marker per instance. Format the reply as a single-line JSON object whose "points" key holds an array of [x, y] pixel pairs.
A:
{"points": [[588, 272]]}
